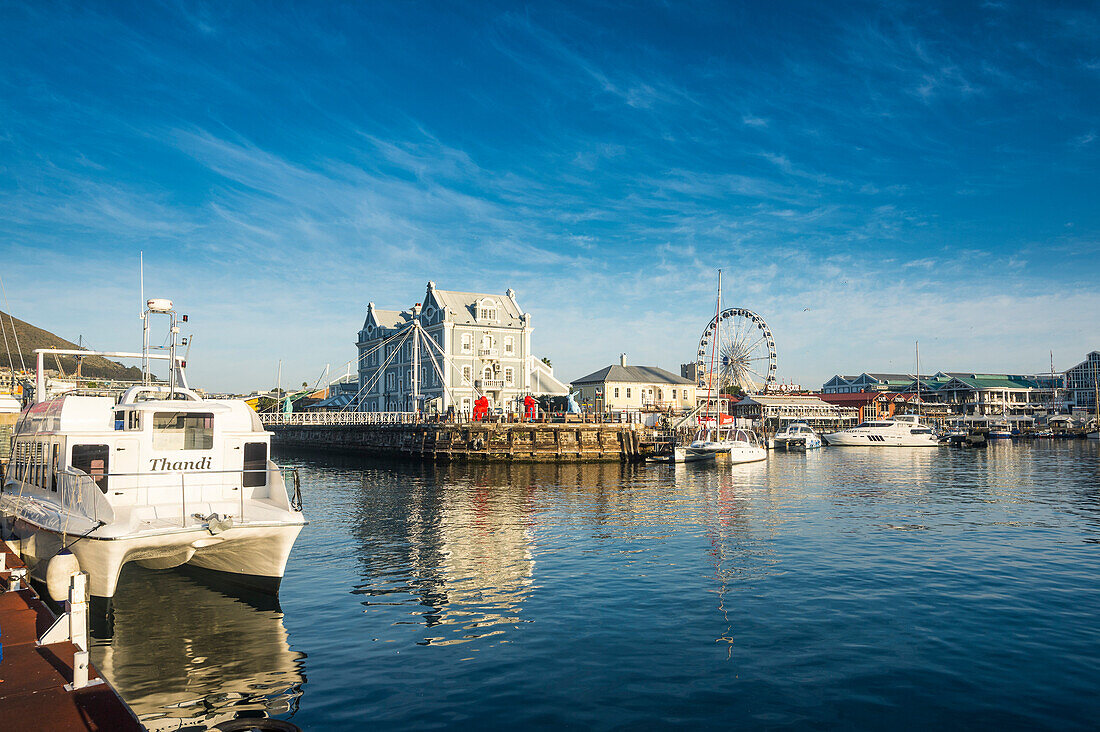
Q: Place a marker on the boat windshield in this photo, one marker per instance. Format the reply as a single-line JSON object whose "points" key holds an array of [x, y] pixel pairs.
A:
{"points": [[744, 436], [183, 431]]}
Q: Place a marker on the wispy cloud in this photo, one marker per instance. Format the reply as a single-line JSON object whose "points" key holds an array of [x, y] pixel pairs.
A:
{"points": [[893, 164]]}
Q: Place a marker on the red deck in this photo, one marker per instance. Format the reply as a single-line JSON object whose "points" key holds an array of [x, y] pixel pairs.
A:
{"points": [[33, 678]]}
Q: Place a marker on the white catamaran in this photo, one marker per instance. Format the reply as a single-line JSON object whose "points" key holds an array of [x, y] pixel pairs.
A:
{"points": [[154, 474]]}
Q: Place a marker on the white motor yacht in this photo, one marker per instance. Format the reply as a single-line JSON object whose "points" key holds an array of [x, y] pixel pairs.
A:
{"points": [[903, 430], [797, 436], [738, 445], [156, 475]]}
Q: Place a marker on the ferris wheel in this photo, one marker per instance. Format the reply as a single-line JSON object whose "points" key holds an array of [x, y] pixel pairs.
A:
{"points": [[738, 347]]}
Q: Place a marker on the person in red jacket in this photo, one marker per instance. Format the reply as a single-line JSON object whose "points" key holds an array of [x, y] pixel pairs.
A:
{"points": [[529, 407]]}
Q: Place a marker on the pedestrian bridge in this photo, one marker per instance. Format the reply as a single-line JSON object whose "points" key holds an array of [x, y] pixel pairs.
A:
{"points": [[275, 419]]}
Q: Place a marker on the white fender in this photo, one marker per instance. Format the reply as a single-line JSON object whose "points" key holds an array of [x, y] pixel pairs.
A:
{"points": [[58, 571]]}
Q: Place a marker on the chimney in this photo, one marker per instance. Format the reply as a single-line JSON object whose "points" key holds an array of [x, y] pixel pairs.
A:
{"points": [[622, 359]]}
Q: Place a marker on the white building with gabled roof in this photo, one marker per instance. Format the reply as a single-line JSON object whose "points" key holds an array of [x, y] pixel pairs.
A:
{"points": [[480, 345], [622, 387]]}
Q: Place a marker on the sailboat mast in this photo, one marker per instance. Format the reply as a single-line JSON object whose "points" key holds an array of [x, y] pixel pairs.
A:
{"points": [[716, 376], [916, 346], [1053, 386]]}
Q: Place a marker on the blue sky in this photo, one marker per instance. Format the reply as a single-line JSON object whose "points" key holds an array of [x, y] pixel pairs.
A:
{"points": [[866, 174]]}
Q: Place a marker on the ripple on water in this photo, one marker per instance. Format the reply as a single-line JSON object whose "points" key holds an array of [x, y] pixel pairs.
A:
{"points": [[844, 588]]}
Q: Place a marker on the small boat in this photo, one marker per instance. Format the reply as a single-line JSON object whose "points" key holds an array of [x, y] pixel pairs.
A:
{"points": [[903, 430], [797, 436], [681, 454], [156, 475], [738, 445], [999, 431]]}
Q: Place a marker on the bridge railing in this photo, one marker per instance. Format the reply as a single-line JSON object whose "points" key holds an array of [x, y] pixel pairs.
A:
{"points": [[307, 418]]}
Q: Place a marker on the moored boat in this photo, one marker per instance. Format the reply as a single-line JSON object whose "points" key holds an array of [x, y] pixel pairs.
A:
{"points": [[733, 444], [903, 430], [797, 436], [680, 454], [156, 475]]}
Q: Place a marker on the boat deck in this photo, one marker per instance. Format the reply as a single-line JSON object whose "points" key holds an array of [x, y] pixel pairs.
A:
{"points": [[33, 677]]}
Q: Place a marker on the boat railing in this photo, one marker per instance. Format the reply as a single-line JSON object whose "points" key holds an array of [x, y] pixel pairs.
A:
{"points": [[82, 493]]}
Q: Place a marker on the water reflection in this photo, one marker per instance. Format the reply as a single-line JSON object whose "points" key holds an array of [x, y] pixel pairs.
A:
{"points": [[185, 655], [460, 550]]}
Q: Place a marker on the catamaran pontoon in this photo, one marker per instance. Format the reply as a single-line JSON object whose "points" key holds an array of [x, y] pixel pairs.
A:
{"points": [[156, 475]]}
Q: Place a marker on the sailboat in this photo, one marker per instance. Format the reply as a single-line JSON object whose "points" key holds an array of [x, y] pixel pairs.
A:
{"points": [[738, 445]]}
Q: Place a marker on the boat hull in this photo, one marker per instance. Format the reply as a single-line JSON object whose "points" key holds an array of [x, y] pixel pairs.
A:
{"points": [[801, 443], [257, 553], [736, 454], [682, 455], [842, 439]]}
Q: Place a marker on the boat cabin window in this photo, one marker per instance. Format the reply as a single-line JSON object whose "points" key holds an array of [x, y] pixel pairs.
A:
{"points": [[93, 460], [255, 464], [128, 420], [54, 460], [183, 431], [920, 431]]}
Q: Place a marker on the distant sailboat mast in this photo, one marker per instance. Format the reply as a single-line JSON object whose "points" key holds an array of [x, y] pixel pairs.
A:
{"points": [[917, 348], [715, 365]]}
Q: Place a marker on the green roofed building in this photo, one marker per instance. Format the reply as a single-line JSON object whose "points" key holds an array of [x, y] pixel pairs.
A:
{"points": [[963, 393]]}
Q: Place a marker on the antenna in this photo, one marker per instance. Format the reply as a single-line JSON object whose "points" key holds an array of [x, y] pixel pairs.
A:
{"points": [[144, 322]]}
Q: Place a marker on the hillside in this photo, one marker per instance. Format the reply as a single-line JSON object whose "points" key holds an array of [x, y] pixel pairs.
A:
{"points": [[32, 337]]}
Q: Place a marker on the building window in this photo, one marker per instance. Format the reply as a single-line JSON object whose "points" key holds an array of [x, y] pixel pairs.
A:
{"points": [[487, 311], [509, 344], [467, 342], [616, 392], [466, 403], [628, 392], [467, 374], [509, 376], [391, 381], [673, 395], [660, 395]]}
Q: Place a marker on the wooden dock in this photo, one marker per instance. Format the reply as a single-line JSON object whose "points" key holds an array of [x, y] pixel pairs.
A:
{"points": [[473, 441], [36, 680]]}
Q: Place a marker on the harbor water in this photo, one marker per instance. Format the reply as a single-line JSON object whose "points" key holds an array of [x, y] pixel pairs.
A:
{"points": [[845, 588]]}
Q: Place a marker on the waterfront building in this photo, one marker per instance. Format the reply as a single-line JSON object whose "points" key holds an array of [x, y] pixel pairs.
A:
{"points": [[11, 382], [866, 382], [984, 395], [1081, 381], [961, 393], [775, 409], [630, 388], [482, 347]]}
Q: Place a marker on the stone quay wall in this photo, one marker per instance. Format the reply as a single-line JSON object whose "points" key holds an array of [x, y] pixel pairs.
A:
{"points": [[473, 442]]}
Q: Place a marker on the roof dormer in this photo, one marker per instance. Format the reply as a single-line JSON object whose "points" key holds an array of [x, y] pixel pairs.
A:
{"points": [[487, 310]]}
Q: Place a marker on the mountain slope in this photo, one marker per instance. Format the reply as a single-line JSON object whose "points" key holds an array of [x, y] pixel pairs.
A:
{"points": [[31, 337]]}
